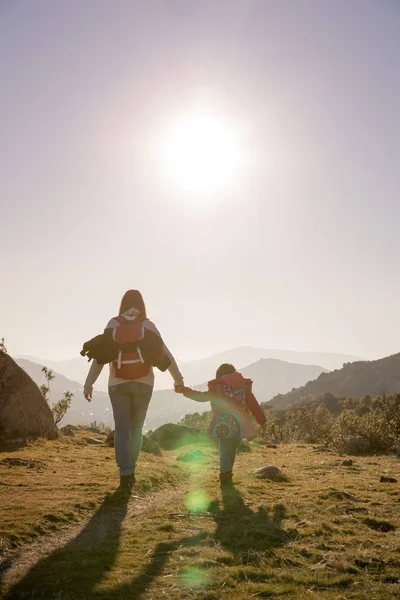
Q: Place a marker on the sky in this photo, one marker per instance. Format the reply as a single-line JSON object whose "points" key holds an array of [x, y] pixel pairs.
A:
{"points": [[299, 250]]}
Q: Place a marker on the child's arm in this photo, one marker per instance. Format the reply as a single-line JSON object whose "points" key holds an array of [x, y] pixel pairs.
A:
{"points": [[195, 395], [255, 409]]}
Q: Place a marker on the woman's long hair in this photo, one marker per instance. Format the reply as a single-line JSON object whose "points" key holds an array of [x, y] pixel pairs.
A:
{"points": [[133, 299]]}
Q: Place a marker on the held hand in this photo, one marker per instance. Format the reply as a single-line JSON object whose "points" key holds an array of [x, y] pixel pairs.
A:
{"points": [[179, 388]]}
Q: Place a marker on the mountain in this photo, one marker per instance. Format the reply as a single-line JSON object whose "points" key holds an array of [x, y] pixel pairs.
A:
{"points": [[356, 379], [270, 376], [203, 369]]}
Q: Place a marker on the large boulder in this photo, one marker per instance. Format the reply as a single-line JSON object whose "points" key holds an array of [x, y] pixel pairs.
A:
{"points": [[148, 445], [23, 410], [171, 436]]}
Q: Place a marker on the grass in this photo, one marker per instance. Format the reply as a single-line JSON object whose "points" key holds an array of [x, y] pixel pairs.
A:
{"points": [[63, 535]]}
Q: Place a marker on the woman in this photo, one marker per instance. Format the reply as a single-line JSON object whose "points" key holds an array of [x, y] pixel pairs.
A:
{"points": [[130, 386]]}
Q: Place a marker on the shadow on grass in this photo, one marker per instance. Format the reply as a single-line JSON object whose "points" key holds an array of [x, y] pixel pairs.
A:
{"points": [[240, 530], [9, 447], [143, 581], [244, 532], [5, 565], [74, 569]]}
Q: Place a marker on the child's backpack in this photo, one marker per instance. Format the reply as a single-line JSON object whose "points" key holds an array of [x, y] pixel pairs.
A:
{"points": [[225, 426], [129, 365], [230, 418]]}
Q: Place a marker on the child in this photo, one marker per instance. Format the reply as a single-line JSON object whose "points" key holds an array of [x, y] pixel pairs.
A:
{"points": [[231, 401]]}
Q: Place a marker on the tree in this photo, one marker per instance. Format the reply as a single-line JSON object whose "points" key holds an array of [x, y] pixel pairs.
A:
{"points": [[45, 389], [60, 408], [3, 346]]}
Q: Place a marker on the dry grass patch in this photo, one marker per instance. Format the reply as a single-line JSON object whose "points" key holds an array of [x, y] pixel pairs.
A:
{"points": [[180, 537]]}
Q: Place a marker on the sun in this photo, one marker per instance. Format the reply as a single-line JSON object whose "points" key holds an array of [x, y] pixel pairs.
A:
{"points": [[201, 153]]}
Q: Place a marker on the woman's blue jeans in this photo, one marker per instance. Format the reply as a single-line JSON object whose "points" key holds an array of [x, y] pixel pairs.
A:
{"points": [[130, 402], [227, 453]]}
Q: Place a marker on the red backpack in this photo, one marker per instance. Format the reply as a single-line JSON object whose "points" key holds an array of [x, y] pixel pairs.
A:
{"points": [[129, 365]]}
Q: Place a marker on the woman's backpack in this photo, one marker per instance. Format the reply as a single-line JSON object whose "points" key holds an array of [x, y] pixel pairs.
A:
{"points": [[130, 347], [129, 365]]}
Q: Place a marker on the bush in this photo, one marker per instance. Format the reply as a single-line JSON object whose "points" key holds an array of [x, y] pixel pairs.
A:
{"points": [[198, 421], [336, 421], [60, 408]]}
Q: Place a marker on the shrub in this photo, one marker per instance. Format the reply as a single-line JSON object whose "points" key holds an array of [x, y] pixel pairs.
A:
{"points": [[60, 408], [3, 346], [335, 421], [199, 421]]}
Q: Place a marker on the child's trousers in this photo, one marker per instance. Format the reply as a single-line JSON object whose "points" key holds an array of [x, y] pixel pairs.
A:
{"points": [[227, 453]]}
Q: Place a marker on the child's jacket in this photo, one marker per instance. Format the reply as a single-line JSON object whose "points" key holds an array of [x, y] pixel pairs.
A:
{"points": [[223, 397]]}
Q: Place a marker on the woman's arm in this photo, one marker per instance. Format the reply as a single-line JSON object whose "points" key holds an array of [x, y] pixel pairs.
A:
{"points": [[91, 379], [173, 368], [95, 369]]}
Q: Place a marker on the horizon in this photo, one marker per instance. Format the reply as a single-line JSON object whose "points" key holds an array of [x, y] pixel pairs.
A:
{"points": [[237, 162], [216, 354]]}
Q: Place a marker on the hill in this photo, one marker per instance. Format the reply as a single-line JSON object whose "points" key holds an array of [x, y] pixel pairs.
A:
{"points": [[328, 532], [201, 370], [271, 375], [353, 380]]}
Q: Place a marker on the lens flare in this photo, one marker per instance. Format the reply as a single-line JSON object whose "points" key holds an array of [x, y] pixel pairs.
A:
{"points": [[193, 577], [197, 501]]}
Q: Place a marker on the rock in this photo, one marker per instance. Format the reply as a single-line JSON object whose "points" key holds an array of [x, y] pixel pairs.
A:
{"points": [[24, 412], [191, 456], [269, 472], [94, 441], [385, 479], [347, 463], [244, 446], [68, 430], [148, 445], [110, 439], [171, 436], [356, 447], [15, 461]]}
